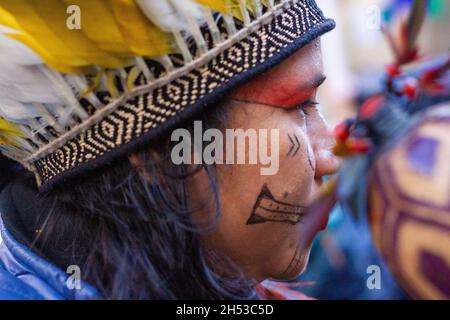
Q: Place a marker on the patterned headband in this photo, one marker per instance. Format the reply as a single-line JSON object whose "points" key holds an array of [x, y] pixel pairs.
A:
{"points": [[74, 98]]}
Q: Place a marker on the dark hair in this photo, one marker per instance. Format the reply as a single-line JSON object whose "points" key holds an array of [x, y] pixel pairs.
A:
{"points": [[131, 230]]}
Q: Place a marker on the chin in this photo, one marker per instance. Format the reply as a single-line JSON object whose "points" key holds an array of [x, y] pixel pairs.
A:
{"points": [[298, 268]]}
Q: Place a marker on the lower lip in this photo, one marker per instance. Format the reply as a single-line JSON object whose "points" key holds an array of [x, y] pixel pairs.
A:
{"points": [[316, 223], [324, 223]]}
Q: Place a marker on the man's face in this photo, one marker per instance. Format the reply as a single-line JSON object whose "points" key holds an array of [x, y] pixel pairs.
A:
{"points": [[263, 227]]}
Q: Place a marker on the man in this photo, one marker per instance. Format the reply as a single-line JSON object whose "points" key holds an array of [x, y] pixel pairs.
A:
{"points": [[111, 206]]}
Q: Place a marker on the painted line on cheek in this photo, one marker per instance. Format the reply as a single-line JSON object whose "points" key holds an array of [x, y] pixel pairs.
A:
{"points": [[294, 262], [268, 209], [311, 164], [295, 145]]}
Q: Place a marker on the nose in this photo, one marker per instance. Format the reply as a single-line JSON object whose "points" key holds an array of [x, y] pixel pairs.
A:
{"points": [[326, 163], [322, 142]]}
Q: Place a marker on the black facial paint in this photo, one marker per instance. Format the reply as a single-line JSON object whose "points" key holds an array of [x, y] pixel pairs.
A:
{"points": [[268, 209]]}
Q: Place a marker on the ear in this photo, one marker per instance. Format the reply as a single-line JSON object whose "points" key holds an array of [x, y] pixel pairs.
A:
{"points": [[136, 160], [138, 164]]}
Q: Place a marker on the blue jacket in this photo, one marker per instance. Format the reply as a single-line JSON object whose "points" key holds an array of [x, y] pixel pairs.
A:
{"points": [[26, 276]]}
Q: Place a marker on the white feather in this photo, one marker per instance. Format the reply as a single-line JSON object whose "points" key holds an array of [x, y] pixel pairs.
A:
{"points": [[5, 29], [22, 83], [26, 113], [24, 78], [26, 83], [17, 52], [167, 14], [162, 13], [182, 18], [16, 111]]}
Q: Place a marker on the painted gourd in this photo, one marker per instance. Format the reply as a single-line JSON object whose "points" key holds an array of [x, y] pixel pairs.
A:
{"points": [[409, 206]]}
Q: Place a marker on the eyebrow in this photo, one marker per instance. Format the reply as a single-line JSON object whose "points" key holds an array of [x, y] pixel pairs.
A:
{"points": [[312, 84], [316, 82]]}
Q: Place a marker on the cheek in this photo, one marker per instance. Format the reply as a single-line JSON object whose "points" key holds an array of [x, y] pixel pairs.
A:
{"points": [[264, 249]]}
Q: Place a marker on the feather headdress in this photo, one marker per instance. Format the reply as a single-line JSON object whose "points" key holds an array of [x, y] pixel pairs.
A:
{"points": [[84, 81]]}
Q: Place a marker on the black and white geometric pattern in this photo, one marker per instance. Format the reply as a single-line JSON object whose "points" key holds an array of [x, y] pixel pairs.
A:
{"points": [[139, 119]]}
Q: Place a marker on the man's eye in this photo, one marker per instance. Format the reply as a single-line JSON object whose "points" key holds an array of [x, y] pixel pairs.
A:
{"points": [[305, 105]]}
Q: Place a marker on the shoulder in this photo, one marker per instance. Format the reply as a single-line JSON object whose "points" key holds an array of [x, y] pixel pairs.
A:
{"points": [[12, 288]]}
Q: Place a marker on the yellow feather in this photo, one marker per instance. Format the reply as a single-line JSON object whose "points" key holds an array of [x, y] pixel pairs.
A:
{"points": [[8, 20], [218, 5], [112, 32], [132, 77], [32, 25], [100, 26], [51, 61], [46, 22], [228, 6], [8, 131], [110, 84], [95, 83], [142, 36]]}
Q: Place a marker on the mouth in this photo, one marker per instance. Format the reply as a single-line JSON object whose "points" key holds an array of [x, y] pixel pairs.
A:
{"points": [[314, 223], [323, 204], [324, 221], [317, 216]]}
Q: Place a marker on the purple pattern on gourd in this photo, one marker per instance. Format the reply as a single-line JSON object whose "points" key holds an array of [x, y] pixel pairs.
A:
{"points": [[422, 154], [436, 269]]}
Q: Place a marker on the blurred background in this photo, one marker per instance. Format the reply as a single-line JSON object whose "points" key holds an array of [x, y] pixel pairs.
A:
{"points": [[356, 52], [355, 55]]}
